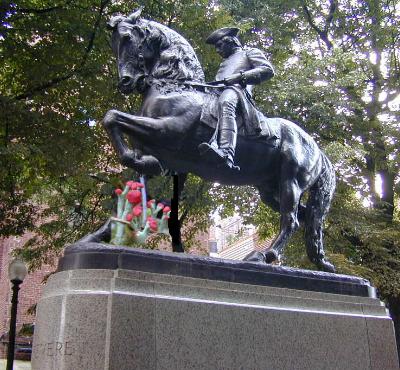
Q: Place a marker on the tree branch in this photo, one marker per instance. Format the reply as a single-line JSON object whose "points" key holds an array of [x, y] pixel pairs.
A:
{"points": [[329, 18], [56, 80], [323, 34], [44, 10], [309, 19], [89, 47], [44, 86]]}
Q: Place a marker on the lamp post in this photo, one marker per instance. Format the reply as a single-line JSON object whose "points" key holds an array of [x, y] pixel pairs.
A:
{"points": [[16, 273]]}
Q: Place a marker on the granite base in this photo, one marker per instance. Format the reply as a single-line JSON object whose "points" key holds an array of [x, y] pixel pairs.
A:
{"points": [[116, 319]]}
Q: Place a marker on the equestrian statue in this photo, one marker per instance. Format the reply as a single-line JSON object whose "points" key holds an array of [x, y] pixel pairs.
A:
{"points": [[213, 129], [239, 72]]}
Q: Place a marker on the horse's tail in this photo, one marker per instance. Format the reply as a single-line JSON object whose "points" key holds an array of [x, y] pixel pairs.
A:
{"points": [[317, 207]]}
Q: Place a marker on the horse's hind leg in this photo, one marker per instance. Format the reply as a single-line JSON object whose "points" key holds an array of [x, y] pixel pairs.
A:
{"points": [[289, 199], [315, 216], [319, 200], [269, 198], [288, 204]]}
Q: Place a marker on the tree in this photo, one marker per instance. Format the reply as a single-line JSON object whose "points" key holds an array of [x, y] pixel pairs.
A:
{"points": [[57, 81], [338, 77]]}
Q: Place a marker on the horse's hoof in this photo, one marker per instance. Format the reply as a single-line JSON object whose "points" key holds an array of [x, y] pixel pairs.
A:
{"points": [[151, 166], [255, 256], [129, 159], [270, 256], [326, 266], [101, 235]]}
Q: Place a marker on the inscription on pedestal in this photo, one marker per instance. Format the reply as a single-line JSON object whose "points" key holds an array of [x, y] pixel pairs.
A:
{"points": [[54, 348]]}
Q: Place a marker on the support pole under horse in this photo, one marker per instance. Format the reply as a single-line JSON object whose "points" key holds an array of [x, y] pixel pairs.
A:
{"points": [[174, 224]]}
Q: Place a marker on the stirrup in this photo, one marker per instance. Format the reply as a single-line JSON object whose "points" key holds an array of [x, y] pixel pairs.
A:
{"points": [[211, 153], [217, 156], [205, 147], [230, 164]]}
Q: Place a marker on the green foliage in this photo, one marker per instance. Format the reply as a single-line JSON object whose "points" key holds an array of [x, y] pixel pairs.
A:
{"points": [[53, 88], [57, 80], [337, 66], [338, 71]]}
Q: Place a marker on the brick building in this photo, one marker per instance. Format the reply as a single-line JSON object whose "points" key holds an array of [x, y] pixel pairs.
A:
{"points": [[32, 286], [29, 293], [231, 239]]}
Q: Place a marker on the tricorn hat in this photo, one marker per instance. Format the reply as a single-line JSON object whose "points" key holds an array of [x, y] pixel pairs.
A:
{"points": [[222, 32]]}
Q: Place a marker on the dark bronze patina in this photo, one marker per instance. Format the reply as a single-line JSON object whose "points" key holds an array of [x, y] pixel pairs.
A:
{"points": [[183, 126], [239, 72]]}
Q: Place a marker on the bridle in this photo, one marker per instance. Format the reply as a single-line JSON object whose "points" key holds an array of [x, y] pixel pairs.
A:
{"points": [[149, 80]]}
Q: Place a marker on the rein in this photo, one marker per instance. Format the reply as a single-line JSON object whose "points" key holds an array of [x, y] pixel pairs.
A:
{"points": [[197, 85], [204, 85]]}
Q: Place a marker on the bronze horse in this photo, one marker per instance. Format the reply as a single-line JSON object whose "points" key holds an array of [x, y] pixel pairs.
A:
{"points": [[158, 63]]}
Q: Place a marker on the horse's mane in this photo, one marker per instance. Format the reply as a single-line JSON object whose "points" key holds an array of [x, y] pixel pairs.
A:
{"points": [[176, 58]]}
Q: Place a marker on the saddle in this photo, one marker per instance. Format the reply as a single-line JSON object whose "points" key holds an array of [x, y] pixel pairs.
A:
{"points": [[250, 121]]}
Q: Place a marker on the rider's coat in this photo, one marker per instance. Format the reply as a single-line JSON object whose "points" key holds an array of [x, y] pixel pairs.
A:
{"points": [[255, 68], [251, 62]]}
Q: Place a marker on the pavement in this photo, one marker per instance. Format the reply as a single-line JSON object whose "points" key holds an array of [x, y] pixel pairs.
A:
{"points": [[18, 365]]}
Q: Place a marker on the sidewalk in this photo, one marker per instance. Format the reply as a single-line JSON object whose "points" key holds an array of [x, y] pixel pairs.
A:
{"points": [[18, 365]]}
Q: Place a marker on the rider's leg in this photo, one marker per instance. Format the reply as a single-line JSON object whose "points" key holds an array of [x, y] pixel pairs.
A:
{"points": [[224, 154], [227, 105]]}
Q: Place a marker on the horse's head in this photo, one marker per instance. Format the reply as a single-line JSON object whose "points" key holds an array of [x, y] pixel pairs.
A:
{"points": [[148, 49], [127, 43]]}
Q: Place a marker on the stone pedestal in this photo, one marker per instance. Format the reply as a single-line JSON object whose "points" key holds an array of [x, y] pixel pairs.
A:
{"points": [[135, 309]]}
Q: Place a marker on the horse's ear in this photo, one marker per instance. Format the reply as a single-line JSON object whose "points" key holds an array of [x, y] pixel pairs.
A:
{"points": [[156, 38], [132, 18], [164, 43], [113, 22], [139, 31]]}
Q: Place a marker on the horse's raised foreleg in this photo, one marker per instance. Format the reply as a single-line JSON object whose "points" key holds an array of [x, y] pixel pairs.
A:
{"points": [[117, 124]]}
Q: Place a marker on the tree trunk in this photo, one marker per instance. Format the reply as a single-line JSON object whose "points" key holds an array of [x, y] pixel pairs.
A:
{"points": [[377, 164], [394, 309], [387, 201]]}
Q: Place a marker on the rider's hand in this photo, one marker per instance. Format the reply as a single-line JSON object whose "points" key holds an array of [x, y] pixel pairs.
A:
{"points": [[234, 79]]}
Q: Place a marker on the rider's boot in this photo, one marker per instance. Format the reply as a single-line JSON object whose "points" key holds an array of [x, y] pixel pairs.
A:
{"points": [[227, 145], [224, 154], [219, 156]]}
